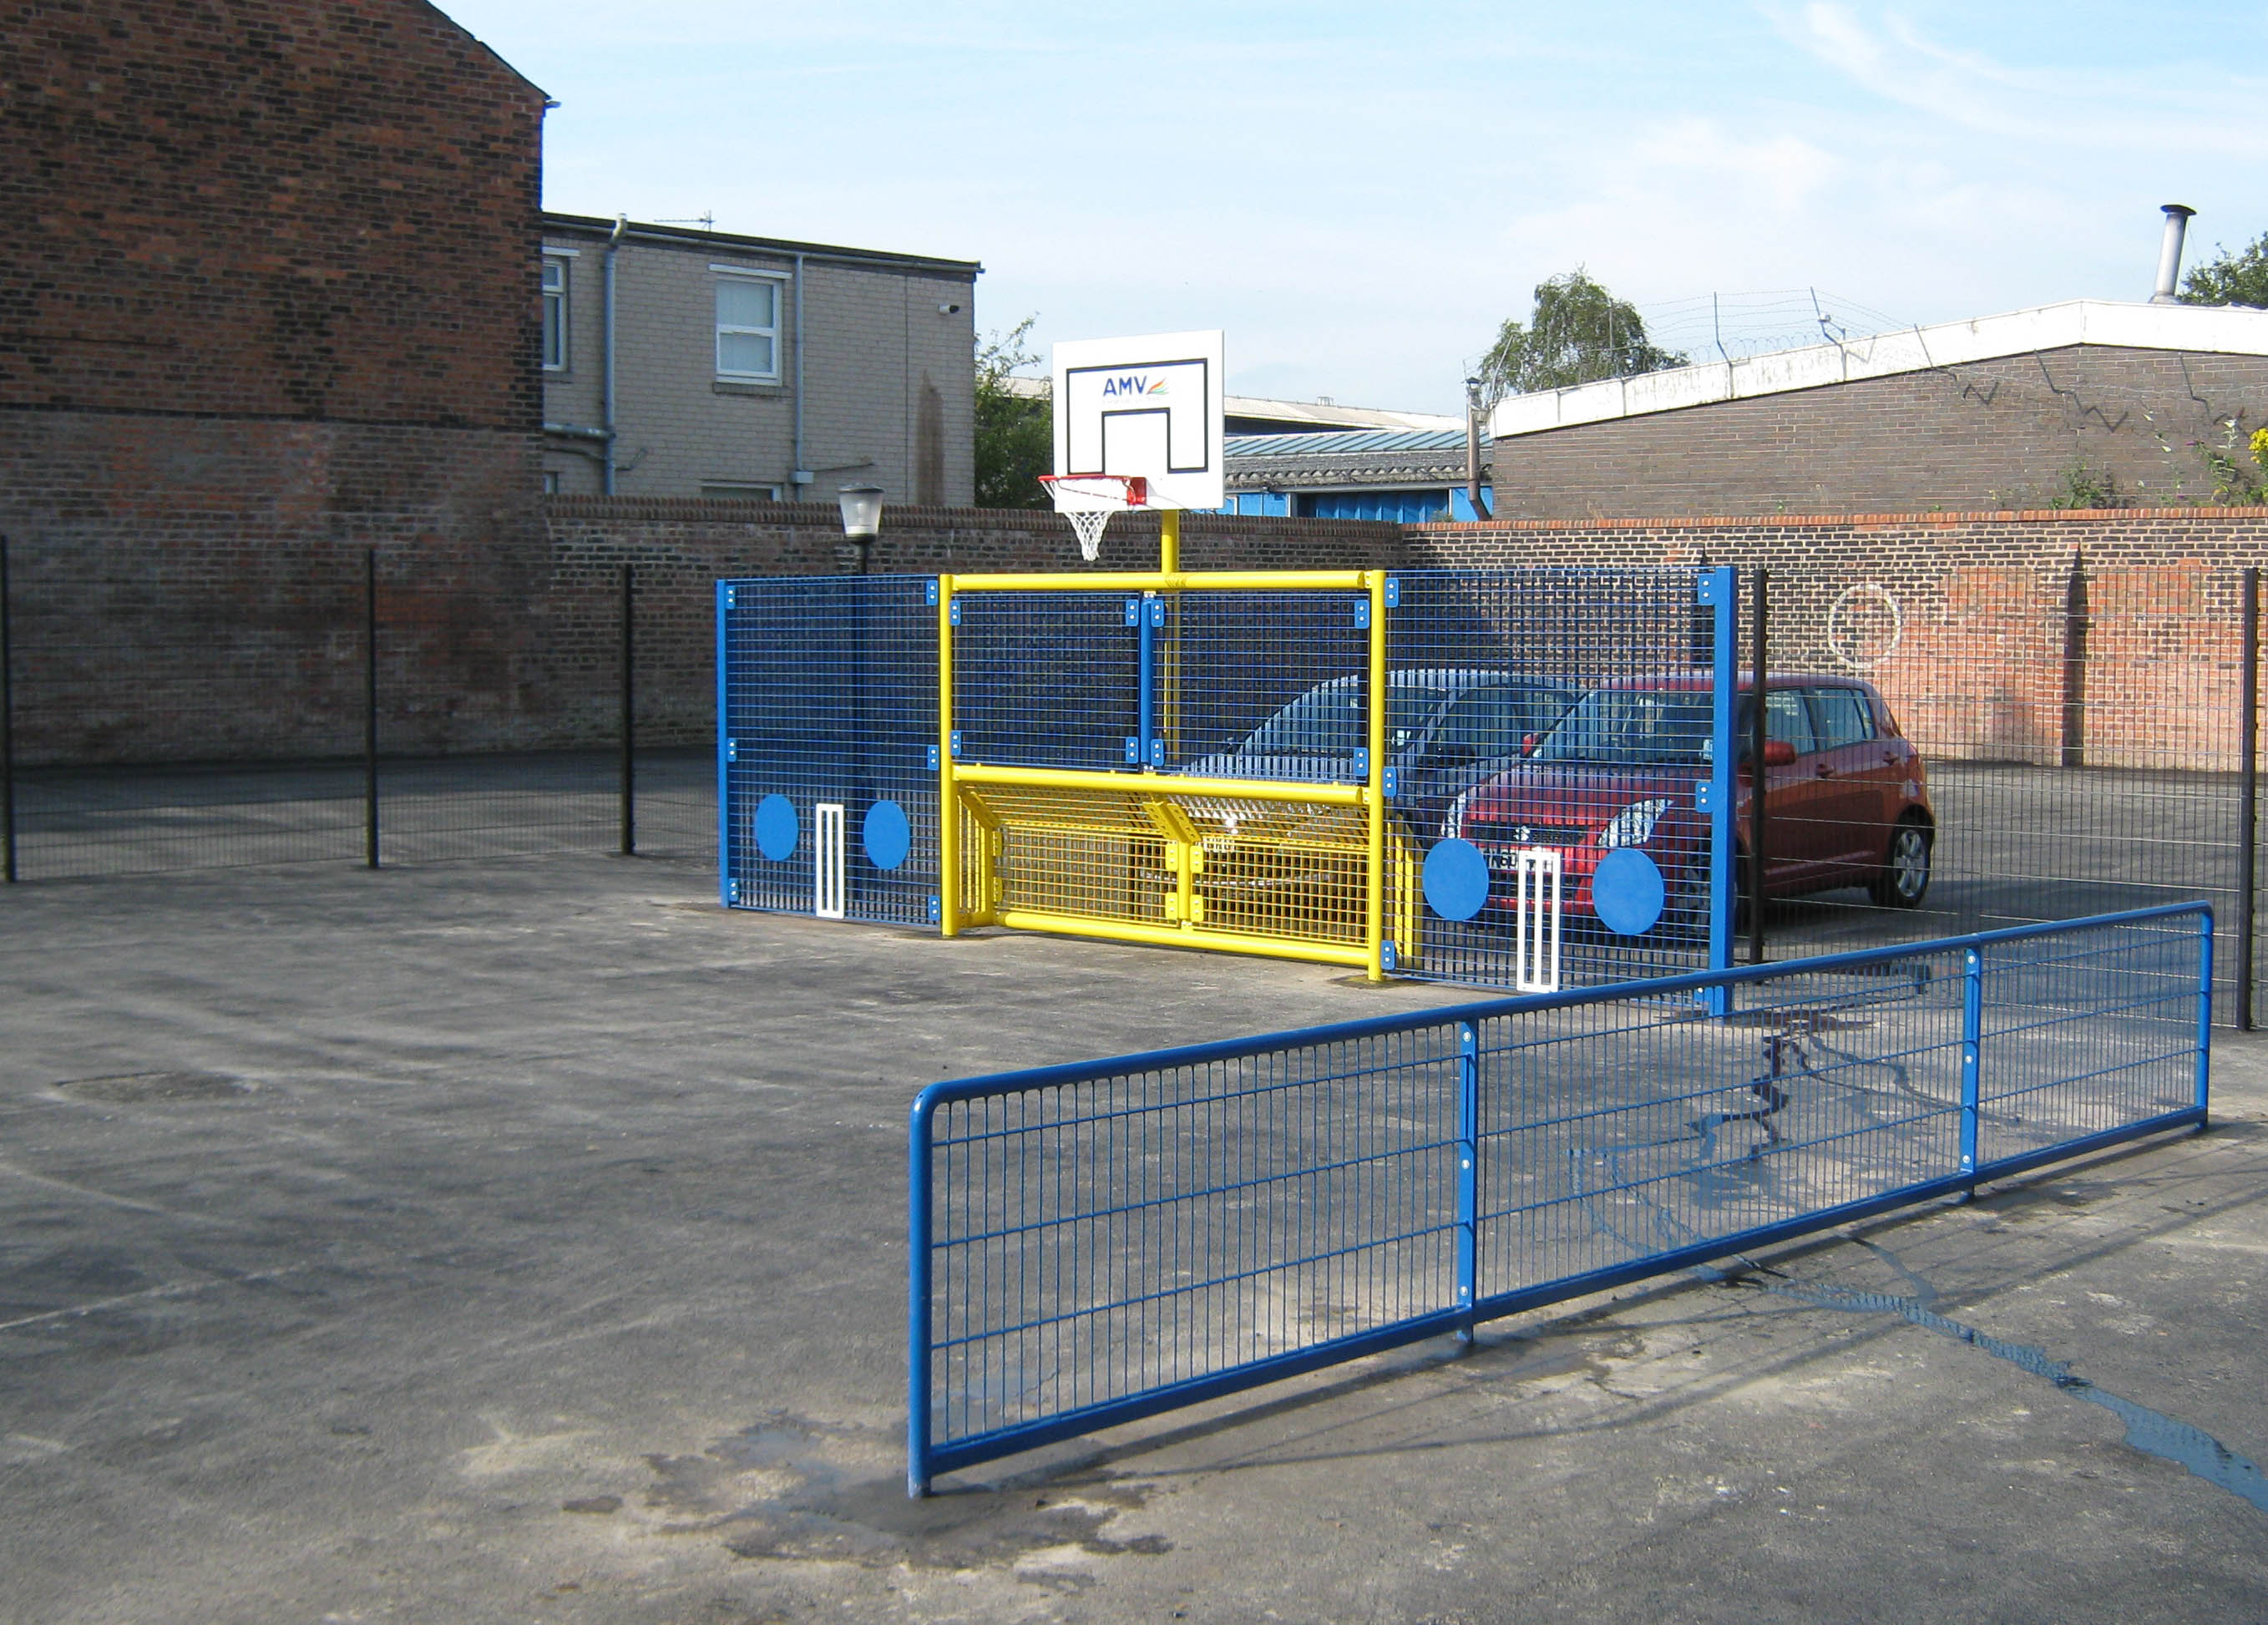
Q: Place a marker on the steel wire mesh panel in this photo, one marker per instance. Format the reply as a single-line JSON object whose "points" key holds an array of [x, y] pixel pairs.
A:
{"points": [[1147, 855], [1613, 1132], [2102, 1028], [1091, 1244], [2071, 739], [1045, 679], [1562, 709], [827, 694], [168, 721], [1262, 685], [1101, 1240]]}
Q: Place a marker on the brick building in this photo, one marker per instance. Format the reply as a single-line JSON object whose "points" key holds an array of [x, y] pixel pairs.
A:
{"points": [[2068, 405], [272, 278], [753, 368]]}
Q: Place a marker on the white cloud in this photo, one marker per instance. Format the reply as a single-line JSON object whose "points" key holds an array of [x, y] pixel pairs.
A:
{"points": [[2158, 104]]}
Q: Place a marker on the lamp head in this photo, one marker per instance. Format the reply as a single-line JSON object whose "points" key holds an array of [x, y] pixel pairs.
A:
{"points": [[862, 511]]}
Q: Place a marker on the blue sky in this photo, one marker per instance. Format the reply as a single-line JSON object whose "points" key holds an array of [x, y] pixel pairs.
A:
{"points": [[1358, 193]]}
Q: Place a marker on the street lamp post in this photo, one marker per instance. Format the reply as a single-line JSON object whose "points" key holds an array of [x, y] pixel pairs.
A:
{"points": [[862, 519]]}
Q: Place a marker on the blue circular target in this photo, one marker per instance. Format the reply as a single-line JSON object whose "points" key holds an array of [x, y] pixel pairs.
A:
{"points": [[776, 828], [1456, 879], [1627, 893], [889, 836]]}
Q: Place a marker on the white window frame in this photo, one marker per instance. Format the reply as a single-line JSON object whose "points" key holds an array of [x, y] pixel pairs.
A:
{"points": [[563, 296], [734, 491], [778, 281]]}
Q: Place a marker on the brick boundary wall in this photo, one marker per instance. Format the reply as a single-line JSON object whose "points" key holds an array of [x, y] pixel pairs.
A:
{"points": [[1979, 670], [212, 629]]}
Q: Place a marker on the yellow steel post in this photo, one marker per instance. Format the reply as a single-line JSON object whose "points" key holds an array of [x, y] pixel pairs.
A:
{"points": [[1373, 921], [1169, 647], [948, 795]]}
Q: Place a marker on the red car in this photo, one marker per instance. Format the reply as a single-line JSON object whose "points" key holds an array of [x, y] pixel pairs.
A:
{"points": [[1847, 802]]}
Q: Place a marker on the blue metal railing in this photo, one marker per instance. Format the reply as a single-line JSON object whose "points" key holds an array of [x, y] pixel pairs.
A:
{"points": [[1099, 1242]]}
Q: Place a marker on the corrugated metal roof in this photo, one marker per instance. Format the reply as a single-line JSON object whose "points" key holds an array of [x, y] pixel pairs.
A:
{"points": [[1344, 440]]}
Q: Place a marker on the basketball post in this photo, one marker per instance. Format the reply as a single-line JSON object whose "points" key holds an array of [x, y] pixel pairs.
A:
{"points": [[1169, 542]]}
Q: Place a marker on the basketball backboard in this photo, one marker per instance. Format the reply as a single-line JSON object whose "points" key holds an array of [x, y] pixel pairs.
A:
{"points": [[1149, 406]]}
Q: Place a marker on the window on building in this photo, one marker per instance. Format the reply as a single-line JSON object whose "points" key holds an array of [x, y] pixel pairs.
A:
{"points": [[555, 313], [748, 326], [735, 490], [553, 485]]}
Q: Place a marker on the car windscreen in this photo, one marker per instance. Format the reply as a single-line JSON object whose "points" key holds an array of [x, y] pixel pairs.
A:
{"points": [[1330, 721], [1647, 727]]}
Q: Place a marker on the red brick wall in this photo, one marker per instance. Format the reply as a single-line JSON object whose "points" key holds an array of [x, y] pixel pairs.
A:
{"points": [[1977, 670], [323, 208], [1992, 434]]}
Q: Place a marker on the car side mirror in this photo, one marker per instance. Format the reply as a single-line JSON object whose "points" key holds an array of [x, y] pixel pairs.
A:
{"points": [[1778, 753], [1528, 742]]}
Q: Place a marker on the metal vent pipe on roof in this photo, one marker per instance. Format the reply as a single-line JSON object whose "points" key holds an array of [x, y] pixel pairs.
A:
{"points": [[2169, 254]]}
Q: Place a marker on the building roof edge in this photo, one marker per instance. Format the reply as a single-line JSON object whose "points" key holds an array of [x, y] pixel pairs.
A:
{"points": [[2113, 324]]}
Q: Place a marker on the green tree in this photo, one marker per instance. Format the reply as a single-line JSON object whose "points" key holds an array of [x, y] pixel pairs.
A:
{"points": [[2238, 279], [1578, 333], [1015, 432], [2232, 277]]}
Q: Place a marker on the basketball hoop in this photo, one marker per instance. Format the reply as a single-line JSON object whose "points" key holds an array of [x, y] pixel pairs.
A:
{"points": [[1088, 500]]}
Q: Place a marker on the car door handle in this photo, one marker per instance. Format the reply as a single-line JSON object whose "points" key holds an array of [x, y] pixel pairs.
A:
{"points": [[1825, 770]]}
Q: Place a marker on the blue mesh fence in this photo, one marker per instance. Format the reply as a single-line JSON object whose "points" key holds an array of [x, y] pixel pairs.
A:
{"points": [[1260, 685], [1566, 710], [1098, 1242], [827, 704], [1045, 679]]}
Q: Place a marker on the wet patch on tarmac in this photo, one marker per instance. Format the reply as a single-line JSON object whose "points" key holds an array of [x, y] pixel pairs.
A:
{"points": [[145, 1088], [788, 1489]]}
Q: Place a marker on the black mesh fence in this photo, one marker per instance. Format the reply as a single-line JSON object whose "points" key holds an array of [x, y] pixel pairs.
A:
{"points": [[1947, 749], [1966, 749], [163, 717]]}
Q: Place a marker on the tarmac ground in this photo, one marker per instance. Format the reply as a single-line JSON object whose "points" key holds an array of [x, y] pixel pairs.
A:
{"points": [[522, 1240]]}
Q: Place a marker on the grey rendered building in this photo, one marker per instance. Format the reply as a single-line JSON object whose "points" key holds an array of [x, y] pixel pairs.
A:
{"points": [[753, 368]]}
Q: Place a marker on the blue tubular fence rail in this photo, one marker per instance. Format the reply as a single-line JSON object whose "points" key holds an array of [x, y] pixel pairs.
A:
{"points": [[1099, 1242]]}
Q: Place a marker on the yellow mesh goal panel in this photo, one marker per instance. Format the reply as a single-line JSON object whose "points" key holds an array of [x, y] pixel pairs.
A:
{"points": [[1290, 873]]}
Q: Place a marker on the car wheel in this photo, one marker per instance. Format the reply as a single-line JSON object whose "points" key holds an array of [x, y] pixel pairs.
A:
{"points": [[1904, 875]]}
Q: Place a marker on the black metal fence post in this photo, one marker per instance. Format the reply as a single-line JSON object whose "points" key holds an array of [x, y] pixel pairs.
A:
{"points": [[1759, 772], [629, 716], [370, 707], [2247, 838], [2074, 663], [7, 726]]}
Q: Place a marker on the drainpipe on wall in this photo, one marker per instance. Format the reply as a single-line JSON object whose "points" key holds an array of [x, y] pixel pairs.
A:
{"points": [[607, 404], [1473, 494], [799, 477]]}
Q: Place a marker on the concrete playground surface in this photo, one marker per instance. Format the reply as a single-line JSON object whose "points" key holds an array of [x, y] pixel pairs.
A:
{"points": [[523, 1241]]}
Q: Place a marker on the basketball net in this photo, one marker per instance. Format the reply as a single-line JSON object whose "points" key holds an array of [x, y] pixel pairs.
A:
{"points": [[1088, 500], [1089, 526]]}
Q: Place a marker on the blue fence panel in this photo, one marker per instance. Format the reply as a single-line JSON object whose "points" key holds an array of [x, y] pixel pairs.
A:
{"points": [[1094, 1243], [1586, 711], [1260, 685], [1045, 679], [827, 696]]}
